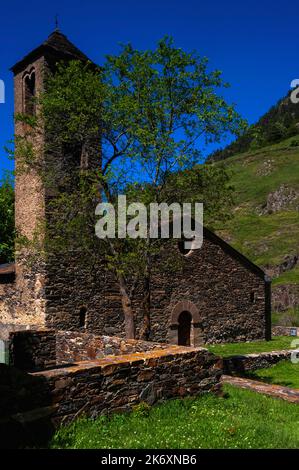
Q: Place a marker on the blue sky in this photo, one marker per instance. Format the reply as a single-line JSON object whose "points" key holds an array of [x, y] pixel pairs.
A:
{"points": [[255, 43]]}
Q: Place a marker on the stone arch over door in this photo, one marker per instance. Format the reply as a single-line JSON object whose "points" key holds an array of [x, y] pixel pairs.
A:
{"points": [[196, 333]]}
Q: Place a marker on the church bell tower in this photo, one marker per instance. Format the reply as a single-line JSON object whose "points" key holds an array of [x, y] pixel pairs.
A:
{"points": [[30, 198]]}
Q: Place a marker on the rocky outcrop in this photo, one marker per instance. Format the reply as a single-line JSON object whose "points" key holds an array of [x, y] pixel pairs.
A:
{"points": [[289, 262], [280, 199], [285, 297]]}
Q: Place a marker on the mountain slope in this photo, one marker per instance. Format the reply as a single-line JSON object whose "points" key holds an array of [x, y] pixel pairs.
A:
{"points": [[265, 225], [277, 124]]}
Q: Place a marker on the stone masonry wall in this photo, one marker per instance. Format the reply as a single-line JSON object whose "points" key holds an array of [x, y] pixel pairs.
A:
{"points": [[240, 364], [72, 346], [229, 297], [29, 209], [32, 350], [116, 384], [41, 349], [33, 405], [285, 331], [7, 302], [221, 288], [73, 284]]}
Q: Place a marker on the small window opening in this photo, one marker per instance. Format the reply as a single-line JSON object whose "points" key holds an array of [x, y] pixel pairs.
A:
{"points": [[82, 317], [30, 94], [252, 297]]}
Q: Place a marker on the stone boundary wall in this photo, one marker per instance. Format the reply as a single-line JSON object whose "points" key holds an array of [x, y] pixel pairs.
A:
{"points": [[240, 364], [92, 388], [40, 349], [32, 350], [284, 330], [72, 346], [118, 383]]}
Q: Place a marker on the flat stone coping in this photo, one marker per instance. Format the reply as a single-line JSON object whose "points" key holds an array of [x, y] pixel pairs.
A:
{"points": [[276, 391], [111, 360], [282, 352], [265, 353]]}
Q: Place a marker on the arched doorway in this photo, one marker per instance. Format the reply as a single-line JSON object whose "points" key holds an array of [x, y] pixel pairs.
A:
{"points": [[184, 329], [185, 326]]}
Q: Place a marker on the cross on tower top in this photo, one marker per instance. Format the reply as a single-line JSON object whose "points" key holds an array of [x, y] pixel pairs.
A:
{"points": [[56, 23]]}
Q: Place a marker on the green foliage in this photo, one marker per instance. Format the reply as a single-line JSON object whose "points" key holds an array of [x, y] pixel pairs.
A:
{"points": [[288, 277], [284, 373], [290, 317], [228, 349], [279, 123], [204, 422], [142, 409], [7, 227], [161, 103], [71, 105]]}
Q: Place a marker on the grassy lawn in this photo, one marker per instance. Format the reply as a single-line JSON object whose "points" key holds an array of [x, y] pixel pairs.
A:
{"points": [[284, 373], [276, 344], [242, 420]]}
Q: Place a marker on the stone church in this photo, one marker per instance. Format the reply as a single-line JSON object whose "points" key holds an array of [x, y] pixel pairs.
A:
{"points": [[218, 295]]}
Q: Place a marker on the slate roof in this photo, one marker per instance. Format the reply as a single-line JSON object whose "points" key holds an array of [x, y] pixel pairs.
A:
{"points": [[56, 43]]}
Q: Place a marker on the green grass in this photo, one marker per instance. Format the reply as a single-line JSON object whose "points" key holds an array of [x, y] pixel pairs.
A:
{"points": [[242, 420], [265, 239], [228, 349], [284, 373], [288, 277], [288, 318]]}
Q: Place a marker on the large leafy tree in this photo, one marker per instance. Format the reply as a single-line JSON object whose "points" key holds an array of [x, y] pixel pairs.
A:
{"points": [[141, 120], [7, 221]]}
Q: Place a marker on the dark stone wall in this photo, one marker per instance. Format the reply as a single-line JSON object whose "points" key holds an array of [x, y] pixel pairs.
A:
{"points": [[116, 385], [33, 405], [241, 364], [73, 284], [32, 350], [229, 297]]}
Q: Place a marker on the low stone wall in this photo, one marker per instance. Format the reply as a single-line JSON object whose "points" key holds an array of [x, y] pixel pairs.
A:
{"points": [[43, 348], [32, 350], [112, 384], [285, 330], [72, 346], [234, 365], [118, 383]]}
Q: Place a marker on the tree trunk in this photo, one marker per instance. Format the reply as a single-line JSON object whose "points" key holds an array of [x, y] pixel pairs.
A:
{"points": [[127, 308], [146, 326], [125, 300]]}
